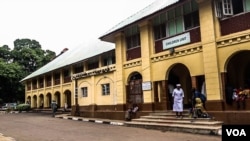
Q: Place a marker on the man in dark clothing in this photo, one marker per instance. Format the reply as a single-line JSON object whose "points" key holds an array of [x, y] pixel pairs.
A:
{"points": [[54, 107]]}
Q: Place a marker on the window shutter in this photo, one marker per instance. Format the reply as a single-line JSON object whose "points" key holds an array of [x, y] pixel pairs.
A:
{"points": [[227, 7]]}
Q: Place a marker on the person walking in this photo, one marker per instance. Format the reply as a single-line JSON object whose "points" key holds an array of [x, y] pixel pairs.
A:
{"points": [[178, 95], [54, 108]]}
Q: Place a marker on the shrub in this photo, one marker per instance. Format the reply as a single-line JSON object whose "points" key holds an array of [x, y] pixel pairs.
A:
{"points": [[23, 107]]}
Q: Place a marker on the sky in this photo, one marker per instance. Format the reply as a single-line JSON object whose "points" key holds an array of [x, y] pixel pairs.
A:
{"points": [[59, 24]]}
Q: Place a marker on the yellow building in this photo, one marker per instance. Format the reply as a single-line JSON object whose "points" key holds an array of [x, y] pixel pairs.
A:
{"points": [[55, 81], [198, 43]]}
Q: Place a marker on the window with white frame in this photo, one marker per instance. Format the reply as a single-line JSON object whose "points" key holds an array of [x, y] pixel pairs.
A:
{"points": [[176, 20], [225, 8], [106, 89], [84, 91]]}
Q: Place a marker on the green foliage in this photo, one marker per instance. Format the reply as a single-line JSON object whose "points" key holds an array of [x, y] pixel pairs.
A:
{"points": [[26, 57], [5, 53], [23, 107], [10, 75], [29, 55]]}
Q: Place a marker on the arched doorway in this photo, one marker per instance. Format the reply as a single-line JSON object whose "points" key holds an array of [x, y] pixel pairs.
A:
{"points": [[28, 100], [237, 73], [48, 100], [179, 74], [41, 101], [67, 95], [58, 99], [238, 70], [134, 89], [34, 102]]}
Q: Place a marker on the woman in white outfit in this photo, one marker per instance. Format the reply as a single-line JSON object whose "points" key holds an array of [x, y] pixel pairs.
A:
{"points": [[178, 96]]}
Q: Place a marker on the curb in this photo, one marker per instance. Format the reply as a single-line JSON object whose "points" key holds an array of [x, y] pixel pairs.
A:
{"points": [[11, 112], [93, 120]]}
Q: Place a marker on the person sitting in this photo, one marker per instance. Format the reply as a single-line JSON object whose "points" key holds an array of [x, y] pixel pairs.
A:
{"points": [[199, 109], [240, 96], [131, 112], [197, 94], [198, 102]]}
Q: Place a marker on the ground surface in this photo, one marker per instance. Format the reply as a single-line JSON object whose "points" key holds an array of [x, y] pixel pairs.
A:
{"points": [[43, 127]]}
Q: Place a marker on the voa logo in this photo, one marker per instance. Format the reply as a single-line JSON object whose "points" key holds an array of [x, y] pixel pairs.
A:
{"points": [[236, 132]]}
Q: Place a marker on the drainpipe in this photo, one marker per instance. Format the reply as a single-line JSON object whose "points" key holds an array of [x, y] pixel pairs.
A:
{"points": [[77, 111]]}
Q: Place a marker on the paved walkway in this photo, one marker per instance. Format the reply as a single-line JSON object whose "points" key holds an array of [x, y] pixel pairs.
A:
{"points": [[2, 137], [67, 116]]}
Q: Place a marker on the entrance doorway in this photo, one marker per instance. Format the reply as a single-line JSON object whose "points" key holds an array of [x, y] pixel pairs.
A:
{"points": [[237, 74], [179, 74], [134, 89], [68, 98]]}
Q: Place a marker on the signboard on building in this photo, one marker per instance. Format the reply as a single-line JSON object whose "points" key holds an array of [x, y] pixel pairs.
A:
{"points": [[146, 86], [176, 41]]}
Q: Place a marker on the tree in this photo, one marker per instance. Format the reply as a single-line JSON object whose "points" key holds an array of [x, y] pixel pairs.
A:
{"points": [[10, 87], [26, 57], [5, 53], [29, 54]]}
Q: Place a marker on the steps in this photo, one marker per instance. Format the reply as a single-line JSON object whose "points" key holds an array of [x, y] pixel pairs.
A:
{"points": [[167, 121]]}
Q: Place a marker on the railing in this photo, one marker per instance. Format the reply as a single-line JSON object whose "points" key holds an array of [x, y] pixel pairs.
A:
{"points": [[235, 24], [67, 79], [133, 53]]}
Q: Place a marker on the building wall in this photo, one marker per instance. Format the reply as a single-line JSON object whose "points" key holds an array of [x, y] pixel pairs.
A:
{"points": [[208, 57], [95, 96]]}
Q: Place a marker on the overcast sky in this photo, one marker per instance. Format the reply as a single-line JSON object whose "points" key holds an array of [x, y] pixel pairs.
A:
{"points": [[59, 24]]}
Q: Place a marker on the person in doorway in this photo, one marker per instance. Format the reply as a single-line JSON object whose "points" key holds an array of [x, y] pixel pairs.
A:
{"points": [[239, 96], [65, 106], [170, 92], [178, 95], [41, 105]]}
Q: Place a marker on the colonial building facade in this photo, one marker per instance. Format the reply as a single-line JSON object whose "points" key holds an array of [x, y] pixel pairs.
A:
{"points": [[198, 43]]}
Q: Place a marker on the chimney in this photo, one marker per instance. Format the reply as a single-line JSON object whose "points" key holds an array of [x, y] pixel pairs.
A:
{"points": [[64, 50]]}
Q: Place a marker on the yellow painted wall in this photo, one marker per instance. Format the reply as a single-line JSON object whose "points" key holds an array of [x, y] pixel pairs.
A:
{"points": [[95, 96], [230, 45], [208, 57]]}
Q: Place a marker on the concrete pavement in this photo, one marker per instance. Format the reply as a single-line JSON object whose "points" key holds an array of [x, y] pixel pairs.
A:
{"points": [[67, 116]]}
